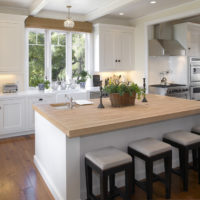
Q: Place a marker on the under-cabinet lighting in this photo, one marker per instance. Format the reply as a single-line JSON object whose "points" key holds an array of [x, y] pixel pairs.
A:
{"points": [[153, 2], [121, 13]]}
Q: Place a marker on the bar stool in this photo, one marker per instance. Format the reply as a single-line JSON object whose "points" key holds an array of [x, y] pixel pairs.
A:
{"points": [[106, 162], [184, 141], [196, 130], [149, 150]]}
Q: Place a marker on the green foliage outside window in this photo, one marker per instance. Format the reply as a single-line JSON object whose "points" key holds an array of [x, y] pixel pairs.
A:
{"points": [[58, 56], [78, 54], [36, 58]]}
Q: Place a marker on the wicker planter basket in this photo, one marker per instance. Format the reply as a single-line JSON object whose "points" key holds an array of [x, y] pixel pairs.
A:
{"points": [[124, 100]]}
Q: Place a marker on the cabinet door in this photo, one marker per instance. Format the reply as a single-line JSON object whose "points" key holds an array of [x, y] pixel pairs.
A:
{"points": [[107, 51], [193, 41], [12, 47], [37, 100], [12, 116], [125, 51]]}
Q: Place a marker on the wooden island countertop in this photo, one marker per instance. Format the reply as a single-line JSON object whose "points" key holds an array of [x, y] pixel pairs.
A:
{"points": [[88, 119]]}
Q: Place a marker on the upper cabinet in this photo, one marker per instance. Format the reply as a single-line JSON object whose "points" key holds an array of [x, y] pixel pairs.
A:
{"points": [[113, 48], [12, 40], [188, 34]]}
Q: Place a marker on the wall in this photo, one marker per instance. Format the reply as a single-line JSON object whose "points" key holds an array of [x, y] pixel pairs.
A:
{"points": [[141, 52]]}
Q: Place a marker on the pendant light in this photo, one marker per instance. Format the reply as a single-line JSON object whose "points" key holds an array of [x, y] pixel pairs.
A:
{"points": [[69, 22]]}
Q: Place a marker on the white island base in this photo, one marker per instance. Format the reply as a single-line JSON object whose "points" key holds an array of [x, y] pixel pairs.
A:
{"points": [[60, 160]]}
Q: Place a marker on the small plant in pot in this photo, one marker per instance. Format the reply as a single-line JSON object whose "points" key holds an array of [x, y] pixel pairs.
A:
{"points": [[82, 78], [123, 94], [41, 83]]}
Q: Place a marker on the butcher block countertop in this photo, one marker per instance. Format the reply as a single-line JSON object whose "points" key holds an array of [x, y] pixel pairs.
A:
{"points": [[88, 119]]}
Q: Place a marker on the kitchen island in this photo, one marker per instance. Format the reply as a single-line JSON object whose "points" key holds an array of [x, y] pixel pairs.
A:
{"points": [[62, 137]]}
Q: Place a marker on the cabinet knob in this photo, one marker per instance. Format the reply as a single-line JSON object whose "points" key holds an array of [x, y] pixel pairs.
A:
{"points": [[119, 60], [116, 60], [40, 99]]}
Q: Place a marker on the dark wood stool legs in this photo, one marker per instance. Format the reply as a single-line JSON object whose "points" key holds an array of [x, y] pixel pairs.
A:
{"points": [[184, 160], [103, 186], [104, 175], [199, 164], [149, 179], [150, 176], [183, 157], [88, 173], [168, 167]]}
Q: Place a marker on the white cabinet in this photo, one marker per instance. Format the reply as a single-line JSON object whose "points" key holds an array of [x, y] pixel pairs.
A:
{"points": [[37, 100], [114, 48], [188, 34], [12, 39], [12, 115]]}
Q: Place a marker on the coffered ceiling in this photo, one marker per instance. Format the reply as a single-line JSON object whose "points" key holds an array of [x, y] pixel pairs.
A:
{"points": [[92, 9]]}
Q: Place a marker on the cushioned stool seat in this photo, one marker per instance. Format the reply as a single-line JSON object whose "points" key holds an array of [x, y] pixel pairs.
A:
{"points": [[150, 150], [108, 157], [185, 141], [196, 129], [150, 146], [107, 162], [183, 137]]}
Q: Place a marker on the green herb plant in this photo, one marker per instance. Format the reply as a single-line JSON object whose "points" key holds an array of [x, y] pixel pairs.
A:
{"points": [[83, 76], [36, 80], [122, 88]]}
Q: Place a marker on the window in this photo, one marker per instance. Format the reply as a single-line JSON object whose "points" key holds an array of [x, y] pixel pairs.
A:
{"points": [[55, 55], [78, 53], [36, 57], [58, 56]]}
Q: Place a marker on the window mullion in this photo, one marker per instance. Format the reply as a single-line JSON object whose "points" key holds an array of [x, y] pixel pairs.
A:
{"points": [[48, 65], [69, 55]]}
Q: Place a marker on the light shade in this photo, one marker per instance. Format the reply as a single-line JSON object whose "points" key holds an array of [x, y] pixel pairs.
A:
{"points": [[69, 23]]}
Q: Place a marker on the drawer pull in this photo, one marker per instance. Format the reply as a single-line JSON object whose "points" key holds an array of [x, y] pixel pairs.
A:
{"points": [[40, 99]]}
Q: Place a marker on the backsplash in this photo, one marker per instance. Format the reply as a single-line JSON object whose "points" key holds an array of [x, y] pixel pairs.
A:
{"points": [[176, 65], [125, 76], [12, 78]]}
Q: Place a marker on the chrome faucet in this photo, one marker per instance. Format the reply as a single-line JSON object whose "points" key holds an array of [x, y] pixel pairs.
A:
{"points": [[71, 104], [70, 100]]}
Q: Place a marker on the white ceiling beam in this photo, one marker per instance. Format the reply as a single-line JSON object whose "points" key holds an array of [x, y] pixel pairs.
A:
{"points": [[108, 8], [37, 6]]}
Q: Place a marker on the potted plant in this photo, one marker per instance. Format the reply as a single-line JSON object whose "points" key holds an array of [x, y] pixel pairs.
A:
{"points": [[40, 82], [82, 78], [122, 94]]}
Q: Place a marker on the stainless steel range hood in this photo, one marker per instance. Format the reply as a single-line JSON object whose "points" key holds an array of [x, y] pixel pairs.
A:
{"points": [[164, 44]]}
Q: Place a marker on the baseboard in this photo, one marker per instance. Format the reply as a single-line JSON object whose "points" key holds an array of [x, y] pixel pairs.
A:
{"points": [[9, 135], [47, 180]]}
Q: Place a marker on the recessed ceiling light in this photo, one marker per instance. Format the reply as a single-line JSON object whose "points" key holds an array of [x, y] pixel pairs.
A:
{"points": [[121, 13], [153, 2]]}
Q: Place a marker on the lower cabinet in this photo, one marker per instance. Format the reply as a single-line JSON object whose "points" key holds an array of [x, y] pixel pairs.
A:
{"points": [[17, 114], [37, 100], [12, 115]]}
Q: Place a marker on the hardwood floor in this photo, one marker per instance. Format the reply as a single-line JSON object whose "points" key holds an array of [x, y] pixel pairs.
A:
{"points": [[20, 180]]}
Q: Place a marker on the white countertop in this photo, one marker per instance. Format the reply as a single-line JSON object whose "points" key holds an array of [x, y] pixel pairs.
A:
{"points": [[36, 92]]}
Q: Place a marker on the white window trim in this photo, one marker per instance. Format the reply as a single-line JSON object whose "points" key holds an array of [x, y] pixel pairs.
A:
{"points": [[48, 63]]}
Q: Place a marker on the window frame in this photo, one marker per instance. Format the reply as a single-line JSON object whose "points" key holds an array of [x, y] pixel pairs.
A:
{"points": [[48, 53]]}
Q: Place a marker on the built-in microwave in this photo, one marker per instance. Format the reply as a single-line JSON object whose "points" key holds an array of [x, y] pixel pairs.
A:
{"points": [[194, 70], [195, 92]]}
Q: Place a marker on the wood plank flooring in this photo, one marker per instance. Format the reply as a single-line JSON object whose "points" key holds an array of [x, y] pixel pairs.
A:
{"points": [[20, 180]]}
